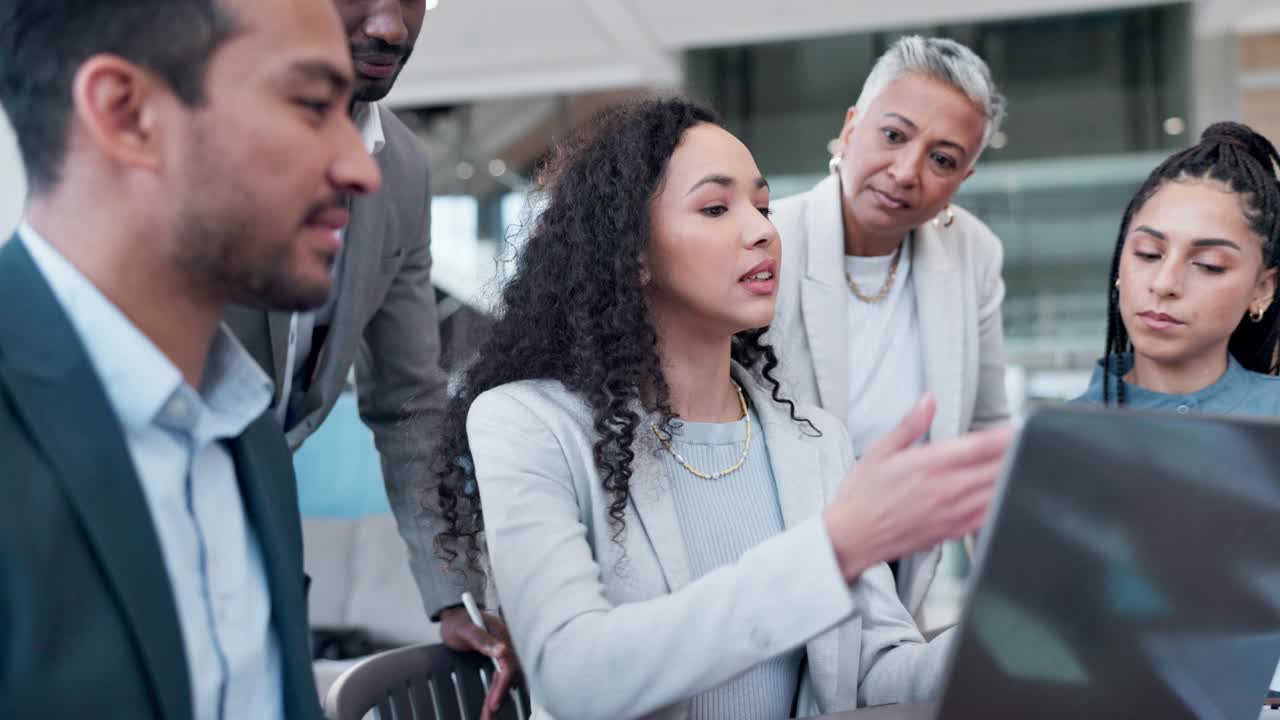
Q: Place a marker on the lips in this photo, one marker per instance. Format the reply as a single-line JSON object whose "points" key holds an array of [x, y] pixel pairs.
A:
{"points": [[1158, 320], [889, 200], [332, 218], [760, 272], [762, 279], [377, 70], [377, 58]]}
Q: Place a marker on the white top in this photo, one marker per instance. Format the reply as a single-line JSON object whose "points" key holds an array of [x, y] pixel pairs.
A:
{"points": [[302, 325], [174, 434], [886, 354]]}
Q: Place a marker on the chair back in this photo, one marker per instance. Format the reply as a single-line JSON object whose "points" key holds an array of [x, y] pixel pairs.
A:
{"points": [[419, 682]]}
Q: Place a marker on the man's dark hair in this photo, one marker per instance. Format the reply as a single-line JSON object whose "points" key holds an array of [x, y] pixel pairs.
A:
{"points": [[43, 43]]}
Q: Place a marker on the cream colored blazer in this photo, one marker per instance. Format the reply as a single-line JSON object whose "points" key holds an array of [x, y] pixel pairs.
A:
{"points": [[609, 630], [959, 292]]}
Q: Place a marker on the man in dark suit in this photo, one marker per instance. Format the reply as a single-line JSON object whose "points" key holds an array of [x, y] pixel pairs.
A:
{"points": [[381, 318], [181, 155]]}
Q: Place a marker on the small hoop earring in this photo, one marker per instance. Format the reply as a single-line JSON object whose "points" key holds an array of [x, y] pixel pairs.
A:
{"points": [[1255, 314], [951, 217], [833, 165]]}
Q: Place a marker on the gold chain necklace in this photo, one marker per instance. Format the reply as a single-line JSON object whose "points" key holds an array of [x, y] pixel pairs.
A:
{"points": [[888, 281], [742, 400]]}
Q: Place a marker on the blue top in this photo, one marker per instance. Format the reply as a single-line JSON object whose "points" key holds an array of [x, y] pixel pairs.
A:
{"points": [[720, 520], [1237, 392]]}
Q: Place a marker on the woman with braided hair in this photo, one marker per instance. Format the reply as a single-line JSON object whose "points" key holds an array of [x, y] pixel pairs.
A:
{"points": [[670, 536], [1193, 318]]}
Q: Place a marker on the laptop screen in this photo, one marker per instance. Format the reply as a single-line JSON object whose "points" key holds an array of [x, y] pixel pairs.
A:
{"points": [[1132, 569]]}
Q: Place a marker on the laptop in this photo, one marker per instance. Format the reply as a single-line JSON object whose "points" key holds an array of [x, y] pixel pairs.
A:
{"points": [[1132, 570]]}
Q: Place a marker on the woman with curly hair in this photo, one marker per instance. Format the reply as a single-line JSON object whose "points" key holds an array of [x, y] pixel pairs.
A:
{"points": [[670, 535]]}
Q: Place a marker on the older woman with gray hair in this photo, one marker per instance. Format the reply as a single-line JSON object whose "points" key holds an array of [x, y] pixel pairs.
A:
{"points": [[888, 290]]}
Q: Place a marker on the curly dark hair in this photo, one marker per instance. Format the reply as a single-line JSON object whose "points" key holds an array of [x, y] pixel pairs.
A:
{"points": [[575, 310], [1245, 161]]}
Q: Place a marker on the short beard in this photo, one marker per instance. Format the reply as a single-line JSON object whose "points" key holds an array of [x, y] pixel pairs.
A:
{"points": [[374, 90], [230, 265]]}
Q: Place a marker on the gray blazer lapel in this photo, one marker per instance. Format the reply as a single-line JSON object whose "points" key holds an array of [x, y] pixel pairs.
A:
{"points": [[938, 303], [824, 297], [797, 475], [278, 327], [363, 245], [654, 505]]}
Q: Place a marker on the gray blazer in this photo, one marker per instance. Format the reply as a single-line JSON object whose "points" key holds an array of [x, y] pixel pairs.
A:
{"points": [[384, 321], [959, 293], [622, 631]]}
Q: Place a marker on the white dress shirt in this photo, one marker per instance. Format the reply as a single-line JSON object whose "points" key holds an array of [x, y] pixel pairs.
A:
{"points": [[175, 437], [303, 324], [886, 354]]}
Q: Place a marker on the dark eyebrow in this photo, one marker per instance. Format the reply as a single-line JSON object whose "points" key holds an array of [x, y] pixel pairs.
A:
{"points": [[1200, 242], [1214, 242], [903, 119], [724, 181], [319, 70], [946, 143], [1149, 231]]}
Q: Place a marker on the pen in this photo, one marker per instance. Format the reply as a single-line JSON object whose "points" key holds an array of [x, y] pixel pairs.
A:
{"points": [[473, 611]]}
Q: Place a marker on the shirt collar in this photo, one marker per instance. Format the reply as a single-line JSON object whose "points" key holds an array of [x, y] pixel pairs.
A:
{"points": [[138, 378], [1223, 395], [368, 119]]}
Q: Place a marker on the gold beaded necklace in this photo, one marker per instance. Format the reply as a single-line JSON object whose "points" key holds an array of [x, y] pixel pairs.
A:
{"points": [[742, 400], [884, 290]]}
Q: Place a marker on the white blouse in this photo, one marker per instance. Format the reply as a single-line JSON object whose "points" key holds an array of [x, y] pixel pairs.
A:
{"points": [[886, 354]]}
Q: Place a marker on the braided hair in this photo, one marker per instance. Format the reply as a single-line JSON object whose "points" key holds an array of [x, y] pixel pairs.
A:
{"points": [[575, 311], [1245, 162]]}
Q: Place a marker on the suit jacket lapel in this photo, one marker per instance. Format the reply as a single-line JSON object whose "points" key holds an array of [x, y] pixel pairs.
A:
{"points": [[363, 244], [938, 306], [797, 476], [279, 325], [59, 395], [824, 298]]}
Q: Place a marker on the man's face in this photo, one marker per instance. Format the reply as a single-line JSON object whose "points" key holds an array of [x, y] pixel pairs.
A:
{"points": [[381, 34], [270, 160]]}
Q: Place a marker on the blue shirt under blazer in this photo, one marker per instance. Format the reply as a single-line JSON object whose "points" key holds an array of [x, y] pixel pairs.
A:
{"points": [[92, 624]]}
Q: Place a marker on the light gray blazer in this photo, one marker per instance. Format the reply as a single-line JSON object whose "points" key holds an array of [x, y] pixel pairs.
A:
{"points": [[620, 632], [384, 322], [959, 293]]}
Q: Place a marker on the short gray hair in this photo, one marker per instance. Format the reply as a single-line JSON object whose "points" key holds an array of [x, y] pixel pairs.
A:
{"points": [[941, 59]]}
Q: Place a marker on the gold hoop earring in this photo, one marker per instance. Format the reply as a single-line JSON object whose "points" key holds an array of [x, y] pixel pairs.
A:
{"points": [[833, 165], [951, 217], [1255, 314]]}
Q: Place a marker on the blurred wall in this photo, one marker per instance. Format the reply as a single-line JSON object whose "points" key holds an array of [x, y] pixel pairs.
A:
{"points": [[13, 186]]}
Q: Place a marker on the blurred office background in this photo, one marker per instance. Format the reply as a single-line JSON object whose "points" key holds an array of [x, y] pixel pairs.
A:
{"points": [[1099, 91]]}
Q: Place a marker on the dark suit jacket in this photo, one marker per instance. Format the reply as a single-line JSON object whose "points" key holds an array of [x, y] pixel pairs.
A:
{"points": [[385, 323], [88, 624]]}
